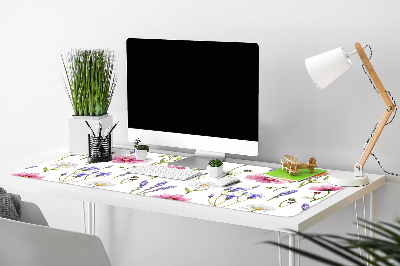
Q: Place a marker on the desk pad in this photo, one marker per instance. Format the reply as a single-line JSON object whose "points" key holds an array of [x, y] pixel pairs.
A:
{"points": [[257, 192]]}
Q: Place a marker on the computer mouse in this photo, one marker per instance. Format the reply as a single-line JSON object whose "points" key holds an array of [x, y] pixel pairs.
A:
{"points": [[226, 181]]}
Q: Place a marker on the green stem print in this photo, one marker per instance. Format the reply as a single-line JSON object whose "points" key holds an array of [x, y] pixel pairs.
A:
{"points": [[314, 197], [276, 188], [228, 194], [129, 179], [287, 202], [167, 159], [313, 180], [283, 194], [231, 173]]}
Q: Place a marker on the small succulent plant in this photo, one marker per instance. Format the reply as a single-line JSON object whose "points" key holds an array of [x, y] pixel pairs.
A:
{"points": [[215, 163], [140, 147]]}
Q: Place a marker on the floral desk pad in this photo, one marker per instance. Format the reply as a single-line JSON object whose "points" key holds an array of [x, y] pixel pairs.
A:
{"points": [[257, 192]]}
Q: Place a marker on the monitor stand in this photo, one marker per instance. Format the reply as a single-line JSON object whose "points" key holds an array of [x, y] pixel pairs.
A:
{"points": [[199, 160]]}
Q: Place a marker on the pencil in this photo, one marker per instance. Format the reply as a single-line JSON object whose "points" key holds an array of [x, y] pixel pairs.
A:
{"points": [[89, 127], [112, 129]]}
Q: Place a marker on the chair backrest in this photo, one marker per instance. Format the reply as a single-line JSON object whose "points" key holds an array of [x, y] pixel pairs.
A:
{"points": [[30, 213], [29, 244]]}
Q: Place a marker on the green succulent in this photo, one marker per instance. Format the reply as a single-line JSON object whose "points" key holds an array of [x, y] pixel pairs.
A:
{"points": [[140, 147], [215, 163]]}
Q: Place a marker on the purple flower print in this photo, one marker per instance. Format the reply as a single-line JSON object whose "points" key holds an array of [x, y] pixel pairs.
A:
{"points": [[305, 206], [285, 193], [143, 183]]}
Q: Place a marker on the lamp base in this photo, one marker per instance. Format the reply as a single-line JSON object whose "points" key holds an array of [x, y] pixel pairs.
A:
{"points": [[343, 179]]}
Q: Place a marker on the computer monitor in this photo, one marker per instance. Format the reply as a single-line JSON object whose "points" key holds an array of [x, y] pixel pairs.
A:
{"points": [[199, 95]]}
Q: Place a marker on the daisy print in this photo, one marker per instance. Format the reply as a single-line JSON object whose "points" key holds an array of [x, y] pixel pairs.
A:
{"points": [[64, 165], [100, 184], [201, 186], [257, 207]]}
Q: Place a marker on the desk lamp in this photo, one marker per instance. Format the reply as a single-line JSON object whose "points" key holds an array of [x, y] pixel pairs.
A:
{"points": [[323, 70]]}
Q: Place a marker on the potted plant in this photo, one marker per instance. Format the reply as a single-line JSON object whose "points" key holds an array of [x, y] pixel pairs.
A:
{"points": [[141, 150], [90, 83], [214, 168]]}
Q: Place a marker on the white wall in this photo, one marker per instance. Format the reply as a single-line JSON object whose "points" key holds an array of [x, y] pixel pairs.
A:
{"points": [[295, 117]]}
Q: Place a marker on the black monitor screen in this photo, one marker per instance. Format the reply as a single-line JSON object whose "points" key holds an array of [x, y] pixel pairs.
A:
{"points": [[193, 87]]}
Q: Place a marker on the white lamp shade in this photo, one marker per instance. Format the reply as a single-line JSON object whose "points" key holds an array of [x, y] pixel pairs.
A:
{"points": [[326, 67]]}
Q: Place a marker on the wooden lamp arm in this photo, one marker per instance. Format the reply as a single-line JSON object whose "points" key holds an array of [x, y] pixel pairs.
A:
{"points": [[389, 109]]}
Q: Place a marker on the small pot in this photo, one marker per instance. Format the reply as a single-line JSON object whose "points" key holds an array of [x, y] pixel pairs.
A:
{"points": [[214, 171], [141, 155]]}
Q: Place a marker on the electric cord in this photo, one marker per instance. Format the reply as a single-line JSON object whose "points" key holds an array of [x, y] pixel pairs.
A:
{"points": [[387, 123]]}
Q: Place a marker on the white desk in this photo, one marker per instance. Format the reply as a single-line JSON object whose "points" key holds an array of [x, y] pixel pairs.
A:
{"points": [[297, 223]]}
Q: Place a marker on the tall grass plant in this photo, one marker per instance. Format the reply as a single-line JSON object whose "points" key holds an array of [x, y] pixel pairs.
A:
{"points": [[91, 79]]}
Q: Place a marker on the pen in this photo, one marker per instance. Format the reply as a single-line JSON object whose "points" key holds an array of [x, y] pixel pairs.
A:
{"points": [[89, 127], [90, 133], [106, 132], [112, 129], [100, 129]]}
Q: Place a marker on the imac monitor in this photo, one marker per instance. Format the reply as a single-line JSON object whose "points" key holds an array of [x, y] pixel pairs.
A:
{"points": [[200, 95]]}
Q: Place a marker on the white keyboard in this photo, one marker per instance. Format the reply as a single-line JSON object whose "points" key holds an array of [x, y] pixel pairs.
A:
{"points": [[166, 172]]}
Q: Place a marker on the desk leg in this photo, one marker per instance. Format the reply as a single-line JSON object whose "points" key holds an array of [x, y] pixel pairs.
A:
{"points": [[372, 210], [372, 215], [89, 220], [292, 244]]}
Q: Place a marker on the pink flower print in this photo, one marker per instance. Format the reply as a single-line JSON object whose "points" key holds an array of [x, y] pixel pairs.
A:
{"points": [[177, 197], [319, 189], [264, 179], [29, 175], [325, 188], [131, 159]]}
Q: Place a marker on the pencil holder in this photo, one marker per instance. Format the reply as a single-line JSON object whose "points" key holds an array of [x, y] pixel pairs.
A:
{"points": [[99, 149]]}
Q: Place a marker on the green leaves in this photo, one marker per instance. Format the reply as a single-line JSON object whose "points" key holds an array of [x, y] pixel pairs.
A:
{"points": [[215, 163], [91, 80], [384, 250], [140, 147]]}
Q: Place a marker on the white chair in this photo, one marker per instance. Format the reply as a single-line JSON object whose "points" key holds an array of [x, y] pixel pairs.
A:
{"points": [[32, 243]]}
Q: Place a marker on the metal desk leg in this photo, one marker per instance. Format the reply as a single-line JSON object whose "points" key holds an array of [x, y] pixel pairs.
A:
{"points": [[292, 243], [298, 247], [89, 220], [372, 214], [372, 210]]}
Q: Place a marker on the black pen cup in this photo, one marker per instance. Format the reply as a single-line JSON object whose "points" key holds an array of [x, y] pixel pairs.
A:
{"points": [[99, 149]]}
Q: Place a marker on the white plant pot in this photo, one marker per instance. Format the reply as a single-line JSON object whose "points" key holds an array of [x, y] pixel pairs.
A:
{"points": [[141, 155], [78, 131], [215, 171]]}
